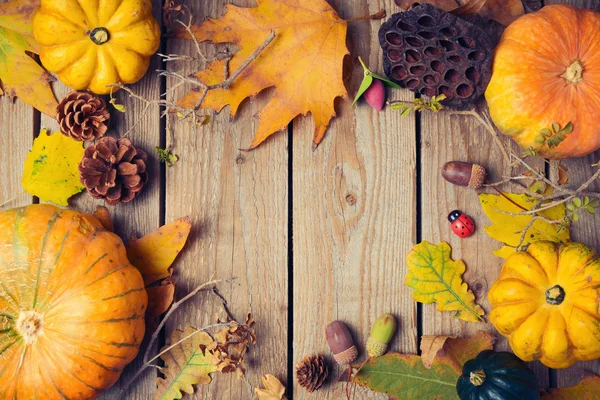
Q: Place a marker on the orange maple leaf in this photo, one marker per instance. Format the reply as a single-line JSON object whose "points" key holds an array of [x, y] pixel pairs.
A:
{"points": [[303, 62]]}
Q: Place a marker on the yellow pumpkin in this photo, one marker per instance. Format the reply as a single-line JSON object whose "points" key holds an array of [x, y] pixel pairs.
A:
{"points": [[546, 69], [91, 44], [546, 303], [71, 305]]}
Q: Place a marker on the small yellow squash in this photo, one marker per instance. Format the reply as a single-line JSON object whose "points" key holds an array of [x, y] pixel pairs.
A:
{"points": [[91, 44], [546, 303]]}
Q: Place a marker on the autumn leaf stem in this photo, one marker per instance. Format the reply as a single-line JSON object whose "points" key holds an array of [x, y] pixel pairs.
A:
{"points": [[378, 15], [12, 199]]}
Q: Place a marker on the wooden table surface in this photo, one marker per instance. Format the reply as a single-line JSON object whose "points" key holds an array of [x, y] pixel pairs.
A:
{"points": [[311, 236]]}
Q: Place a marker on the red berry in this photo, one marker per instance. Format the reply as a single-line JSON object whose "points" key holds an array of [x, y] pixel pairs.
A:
{"points": [[375, 95]]}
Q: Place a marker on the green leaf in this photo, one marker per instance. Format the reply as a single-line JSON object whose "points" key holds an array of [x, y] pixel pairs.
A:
{"points": [[187, 364], [575, 217], [555, 127], [404, 376], [586, 200], [51, 170], [589, 210], [535, 187], [405, 112], [165, 156], [366, 82], [386, 81], [577, 202], [594, 203], [567, 129], [436, 278], [539, 140], [570, 207], [546, 132]]}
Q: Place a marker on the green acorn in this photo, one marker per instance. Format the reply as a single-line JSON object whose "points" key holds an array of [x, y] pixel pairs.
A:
{"points": [[381, 334]]}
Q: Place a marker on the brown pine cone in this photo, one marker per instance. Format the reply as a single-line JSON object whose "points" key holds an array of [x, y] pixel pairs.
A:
{"points": [[113, 170], [82, 116], [312, 372]]}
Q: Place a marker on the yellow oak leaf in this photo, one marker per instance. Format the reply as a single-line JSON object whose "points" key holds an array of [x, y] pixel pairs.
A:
{"points": [[51, 170], [303, 62], [508, 229], [436, 278], [273, 389], [21, 76], [187, 364], [154, 253]]}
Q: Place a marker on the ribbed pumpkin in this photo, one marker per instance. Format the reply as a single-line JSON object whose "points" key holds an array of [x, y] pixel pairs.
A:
{"points": [[546, 302], [546, 69], [91, 44], [72, 306]]}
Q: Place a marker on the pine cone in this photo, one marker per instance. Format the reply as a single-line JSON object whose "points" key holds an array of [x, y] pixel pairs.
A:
{"points": [[432, 52], [312, 372], [82, 116], [113, 170]]}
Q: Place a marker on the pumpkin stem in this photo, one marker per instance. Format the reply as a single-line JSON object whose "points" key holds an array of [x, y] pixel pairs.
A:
{"points": [[99, 35], [477, 377], [555, 295], [574, 72], [30, 325]]}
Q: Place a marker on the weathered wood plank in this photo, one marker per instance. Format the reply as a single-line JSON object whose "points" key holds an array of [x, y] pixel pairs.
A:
{"points": [[142, 215], [238, 204], [586, 230], [354, 214], [460, 138]]}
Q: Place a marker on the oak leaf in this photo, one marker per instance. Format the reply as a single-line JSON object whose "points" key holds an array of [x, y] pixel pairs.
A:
{"points": [[21, 76], [303, 63], [273, 389], [508, 229], [188, 363], [154, 254], [457, 350], [436, 278], [404, 376], [430, 346], [51, 170], [587, 389]]}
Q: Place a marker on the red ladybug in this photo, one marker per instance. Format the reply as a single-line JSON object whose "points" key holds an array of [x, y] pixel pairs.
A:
{"points": [[462, 225]]}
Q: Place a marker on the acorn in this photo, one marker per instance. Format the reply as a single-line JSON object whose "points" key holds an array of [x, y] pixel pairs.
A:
{"points": [[464, 174], [381, 334], [340, 342]]}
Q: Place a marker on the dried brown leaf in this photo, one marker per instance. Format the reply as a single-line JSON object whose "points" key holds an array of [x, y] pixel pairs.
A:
{"points": [[430, 346], [160, 298], [587, 389], [563, 174], [103, 215], [447, 5], [503, 11], [273, 389]]}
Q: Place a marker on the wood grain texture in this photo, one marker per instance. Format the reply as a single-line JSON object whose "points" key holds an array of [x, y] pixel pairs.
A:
{"points": [[142, 215], [354, 216], [238, 204], [460, 138]]}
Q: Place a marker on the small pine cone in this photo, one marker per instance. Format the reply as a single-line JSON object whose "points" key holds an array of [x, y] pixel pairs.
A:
{"points": [[113, 170], [312, 372], [82, 116]]}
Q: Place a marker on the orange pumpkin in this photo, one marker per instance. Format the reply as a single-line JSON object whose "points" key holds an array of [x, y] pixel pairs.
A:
{"points": [[546, 69], [71, 305]]}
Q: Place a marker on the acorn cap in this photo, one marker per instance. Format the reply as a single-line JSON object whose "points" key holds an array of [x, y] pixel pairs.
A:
{"points": [[375, 348], [340, 342]]}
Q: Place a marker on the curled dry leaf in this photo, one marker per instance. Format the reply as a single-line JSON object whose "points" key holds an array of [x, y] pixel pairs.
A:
{"points": [[103, 215], [51, 170], [587, 389], [563, 174], [154, 253], [503, 11], [303, 63], [404, 376], [436, 278], [430, 346], [160, 298], [273, 389]]}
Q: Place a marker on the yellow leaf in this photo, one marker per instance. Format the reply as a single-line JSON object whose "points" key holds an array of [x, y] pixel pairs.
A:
{"points": [[508, 229], [154, 253], [51, 170], [436, 278], [273, 390], [21, 76], [187, 364], [303, 63]]}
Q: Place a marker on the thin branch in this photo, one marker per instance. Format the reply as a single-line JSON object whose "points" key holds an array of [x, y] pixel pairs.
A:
{"points": [[12, 198]]}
